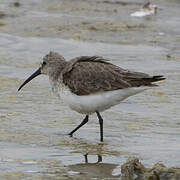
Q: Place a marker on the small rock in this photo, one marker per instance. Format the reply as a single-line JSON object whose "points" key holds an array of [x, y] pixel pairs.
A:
{"points": [[134, 170], [17, 4]]}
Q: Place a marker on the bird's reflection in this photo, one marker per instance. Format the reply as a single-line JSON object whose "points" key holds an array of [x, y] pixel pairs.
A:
{"points": [[97, 169], [88, 159], [99, 158]]}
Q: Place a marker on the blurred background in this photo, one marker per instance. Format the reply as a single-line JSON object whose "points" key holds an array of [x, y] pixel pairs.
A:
{"points": [[34, 123]]}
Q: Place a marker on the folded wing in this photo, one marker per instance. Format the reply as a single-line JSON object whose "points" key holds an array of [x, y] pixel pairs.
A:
{"points": [[91, 74]]}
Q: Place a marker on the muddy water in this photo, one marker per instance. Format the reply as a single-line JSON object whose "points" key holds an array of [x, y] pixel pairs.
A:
{"points": [[34, 123]]}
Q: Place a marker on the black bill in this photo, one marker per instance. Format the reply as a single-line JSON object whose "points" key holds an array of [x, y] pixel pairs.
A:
{"points": [[38, 72]]}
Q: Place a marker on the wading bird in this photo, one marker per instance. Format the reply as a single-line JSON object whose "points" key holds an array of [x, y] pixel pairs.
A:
{"points": [[91, 84]]}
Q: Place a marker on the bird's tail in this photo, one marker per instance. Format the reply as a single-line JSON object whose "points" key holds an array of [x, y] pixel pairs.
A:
{"points": [[154, 79]]}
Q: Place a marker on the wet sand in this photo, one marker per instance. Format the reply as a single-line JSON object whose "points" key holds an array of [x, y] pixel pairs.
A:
{"points": [[34, 124]]}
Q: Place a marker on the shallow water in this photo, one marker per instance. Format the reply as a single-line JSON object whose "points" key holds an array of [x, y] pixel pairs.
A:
{"points": [[34, 123]]}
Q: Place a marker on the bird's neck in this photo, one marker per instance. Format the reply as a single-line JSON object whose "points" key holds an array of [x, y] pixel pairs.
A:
{"points": [[56, 74]]}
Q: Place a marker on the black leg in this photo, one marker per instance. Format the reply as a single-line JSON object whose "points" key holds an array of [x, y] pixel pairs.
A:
{"points": [[101, 125], [99, 158], [86, 158], [85, 120]]}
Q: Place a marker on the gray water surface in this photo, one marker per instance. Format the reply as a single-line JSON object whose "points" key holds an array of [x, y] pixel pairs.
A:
{"points": [[34, 124]]}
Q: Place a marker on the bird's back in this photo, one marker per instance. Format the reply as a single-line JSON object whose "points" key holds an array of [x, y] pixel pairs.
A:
{"points": [[91, 74]]}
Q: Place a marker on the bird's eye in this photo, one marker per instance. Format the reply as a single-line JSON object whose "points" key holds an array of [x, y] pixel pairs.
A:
{"points": [[44, 63]]}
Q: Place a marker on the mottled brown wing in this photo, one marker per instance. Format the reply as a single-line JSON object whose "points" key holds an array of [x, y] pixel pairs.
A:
{"points": [[86, 75]]}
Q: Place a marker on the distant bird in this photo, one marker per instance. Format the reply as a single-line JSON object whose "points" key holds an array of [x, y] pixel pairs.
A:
{"points": [[91, 84], [148, 9]]}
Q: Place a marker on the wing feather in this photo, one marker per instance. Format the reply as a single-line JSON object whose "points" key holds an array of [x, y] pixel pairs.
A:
{"points": [[91, 74]]}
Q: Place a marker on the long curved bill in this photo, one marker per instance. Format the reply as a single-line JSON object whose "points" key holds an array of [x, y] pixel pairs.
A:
{"points": [[38, 72]]}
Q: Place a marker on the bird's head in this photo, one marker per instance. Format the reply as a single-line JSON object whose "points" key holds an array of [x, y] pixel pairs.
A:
{"points": [[52, 63], [150, 6]]}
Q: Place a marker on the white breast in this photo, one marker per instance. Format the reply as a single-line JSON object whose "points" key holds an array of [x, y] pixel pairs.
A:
{"points": [[89, 104]]}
